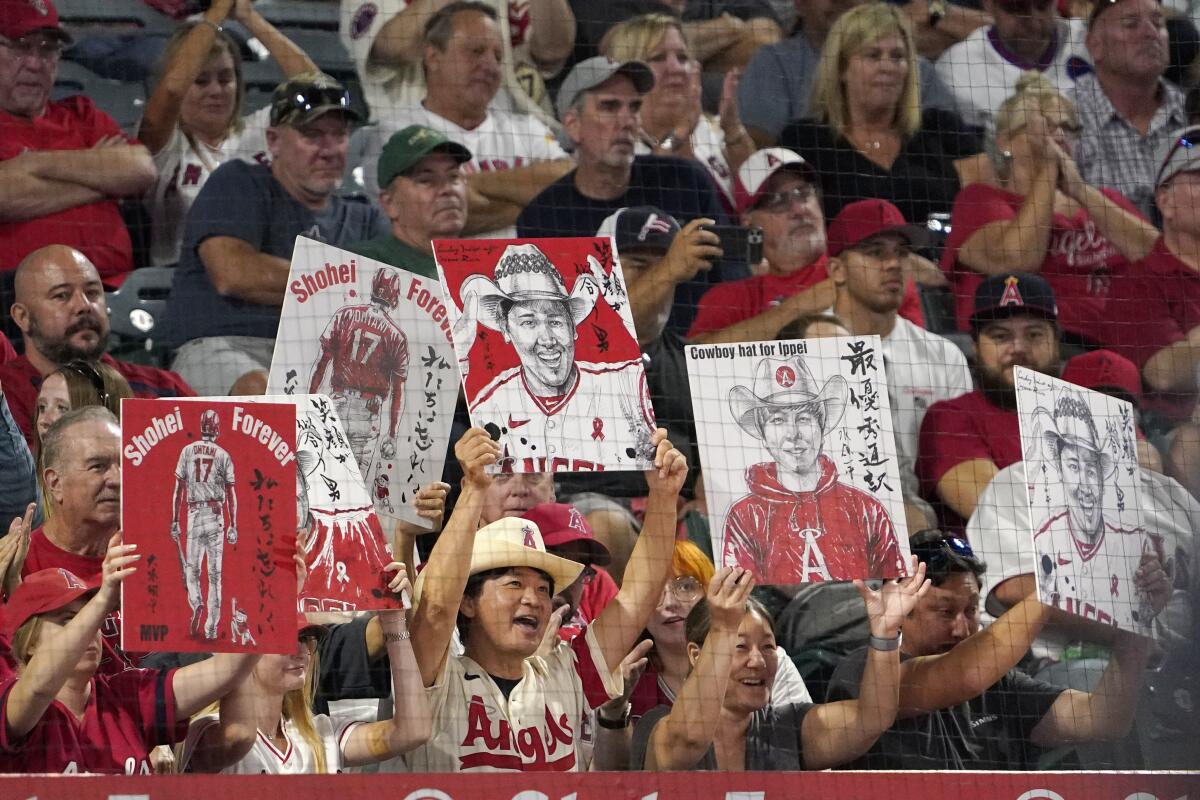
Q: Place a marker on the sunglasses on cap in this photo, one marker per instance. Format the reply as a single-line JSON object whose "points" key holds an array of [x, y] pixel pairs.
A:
{"points": [[89, 373], [297, 99], [935, 553], [1182, 143]]}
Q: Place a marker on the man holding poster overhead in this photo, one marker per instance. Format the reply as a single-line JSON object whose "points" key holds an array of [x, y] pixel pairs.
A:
{"points": [[800, 523]]}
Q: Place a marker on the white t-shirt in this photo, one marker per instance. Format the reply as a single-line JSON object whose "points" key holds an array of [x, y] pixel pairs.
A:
{"points": [[981, 73], [183, 167], [922, 369], [265, 758], [536, 728], [708, 148], [502, 141], [397, 88]]}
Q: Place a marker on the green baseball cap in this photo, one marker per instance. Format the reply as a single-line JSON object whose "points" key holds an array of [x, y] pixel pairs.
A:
{"points": [[410, 145]]}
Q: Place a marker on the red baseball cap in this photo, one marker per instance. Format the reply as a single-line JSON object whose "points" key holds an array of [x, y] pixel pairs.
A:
{"points": [[859, 221], [21, 17], [562, 525], [44, 591], [1103, 370]]}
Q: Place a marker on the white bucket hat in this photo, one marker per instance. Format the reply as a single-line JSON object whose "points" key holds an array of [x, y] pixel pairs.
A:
{"points": [[786, 382], [524, 273]]}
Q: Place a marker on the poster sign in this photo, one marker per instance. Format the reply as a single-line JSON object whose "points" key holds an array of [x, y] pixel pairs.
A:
{"points": [[799, 459], [1081, 468], [207, 495], [376, 339], [546, 345]]}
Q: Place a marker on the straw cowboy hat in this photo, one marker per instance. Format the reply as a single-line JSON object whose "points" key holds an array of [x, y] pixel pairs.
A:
{"points": [[514, 542], [786, 382], [524, 273], [1076, 429]]}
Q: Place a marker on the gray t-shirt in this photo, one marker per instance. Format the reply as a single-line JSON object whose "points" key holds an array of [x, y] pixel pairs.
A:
{"points": [[773, 741]]}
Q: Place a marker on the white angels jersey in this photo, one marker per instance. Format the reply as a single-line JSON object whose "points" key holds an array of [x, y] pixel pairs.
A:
{"points": [[265, 758], [206, 469], [536, 729], [1091, 579], [604, 422]]}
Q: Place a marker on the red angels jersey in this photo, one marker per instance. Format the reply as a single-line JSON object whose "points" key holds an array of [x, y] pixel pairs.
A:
{"points": [[835, 532], [206, 469], [1092, 579], [367, 349], [535, 729], [115, 736], [593, 427]]}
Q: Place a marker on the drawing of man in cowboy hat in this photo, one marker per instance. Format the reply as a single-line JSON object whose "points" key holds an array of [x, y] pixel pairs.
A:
{"points": [[799, 523], [552, 412], [1084, 563]]}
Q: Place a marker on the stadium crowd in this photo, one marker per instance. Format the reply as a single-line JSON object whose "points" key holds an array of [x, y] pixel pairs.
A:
{"points": [[983, 185]]}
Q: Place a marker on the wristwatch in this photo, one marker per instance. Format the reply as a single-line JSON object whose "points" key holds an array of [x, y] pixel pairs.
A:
{"points": [[615, 724], [885, 645]]}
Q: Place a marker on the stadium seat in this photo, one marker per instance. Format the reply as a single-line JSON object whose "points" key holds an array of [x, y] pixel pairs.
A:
{"points": [[300, 14], [124, 101], [117, 14], [323, 47], [134, 311]]}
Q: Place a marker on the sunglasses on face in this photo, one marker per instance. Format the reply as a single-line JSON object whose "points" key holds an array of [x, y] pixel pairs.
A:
{"points": [[47, 49]]}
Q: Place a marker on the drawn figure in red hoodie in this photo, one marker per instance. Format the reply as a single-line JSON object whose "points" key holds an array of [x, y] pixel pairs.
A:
{"points": [[799, 523]]}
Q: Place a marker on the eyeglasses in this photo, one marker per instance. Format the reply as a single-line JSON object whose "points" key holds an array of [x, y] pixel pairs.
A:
{"points": [[775, 202], [936, 552], [297, 99], [685, 588], [44, 49], [89, 373]]}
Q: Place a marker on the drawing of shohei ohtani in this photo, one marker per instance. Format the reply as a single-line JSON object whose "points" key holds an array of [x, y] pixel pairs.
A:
{"points": [[799, 523], [555, 413]]}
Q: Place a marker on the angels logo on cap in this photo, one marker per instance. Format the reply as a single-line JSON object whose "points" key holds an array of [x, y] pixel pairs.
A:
{"points": [[72, 581], [785, 376], [40, 7], [1012, 294], [654, 224]]}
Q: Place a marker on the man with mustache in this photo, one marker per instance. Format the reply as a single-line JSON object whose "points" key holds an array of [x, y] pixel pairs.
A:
{"points": [[1127, 111], [62, 312], [782, 200], [223, 313], [965, 441]]}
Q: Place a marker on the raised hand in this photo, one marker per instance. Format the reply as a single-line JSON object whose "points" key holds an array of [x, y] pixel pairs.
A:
{"points": [[727, 594], [550, 635], [887, 607], [1151, 580], [693, 250], [399, 583], [118, 565], [13, 549], [430, 503], [731, 121], [670, 465], [475, 451], [631, 668]]}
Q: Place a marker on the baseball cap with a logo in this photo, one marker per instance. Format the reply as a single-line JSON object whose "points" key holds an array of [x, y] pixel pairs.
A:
{"points": [[1103, 371], [564, 526], [407, 147], [307, 96], [759, 167], [40, 593], [640, 228], [591, 72], [1013, 294], [857, 222], [22, 17]]}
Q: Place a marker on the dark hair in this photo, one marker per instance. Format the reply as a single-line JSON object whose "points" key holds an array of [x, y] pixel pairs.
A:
{"points": [[699, 620], [945, 554], [798, 328], [440, 26], [54, 442], [475, 586]]}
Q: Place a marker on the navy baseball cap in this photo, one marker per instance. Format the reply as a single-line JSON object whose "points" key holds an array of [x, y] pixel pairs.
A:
{"points": [[1013, 294], [640, 228]]}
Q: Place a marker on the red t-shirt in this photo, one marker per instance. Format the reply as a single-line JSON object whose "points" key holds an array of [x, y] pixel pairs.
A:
{"points": [[21, 382], [7, 353], [126, 716], [96, 229], [730, 303], [1154, 305], [963, 429], [1079, 262], [597, 594]]}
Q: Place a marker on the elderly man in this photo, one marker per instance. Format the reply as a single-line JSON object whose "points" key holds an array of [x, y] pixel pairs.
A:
{"points": [[62, 311], [554, 407], [782, 200], [63, 164], [965, 441], [982, 70], [223, 314], [800, 523], [1127, 111], [600, 106], [463, 72]]}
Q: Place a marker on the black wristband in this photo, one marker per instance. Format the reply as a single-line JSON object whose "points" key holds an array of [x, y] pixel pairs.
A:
{"points": [[614, 724]]}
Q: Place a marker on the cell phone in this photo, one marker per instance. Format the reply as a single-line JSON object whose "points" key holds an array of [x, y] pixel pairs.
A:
{"points": [[742, 245]]}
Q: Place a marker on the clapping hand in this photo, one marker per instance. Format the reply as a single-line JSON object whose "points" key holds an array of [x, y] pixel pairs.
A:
{"points": [[13, 549], [887, 607]]}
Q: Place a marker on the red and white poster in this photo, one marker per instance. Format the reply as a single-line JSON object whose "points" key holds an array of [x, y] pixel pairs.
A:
{"points": [[545, 341], [208, 496]]}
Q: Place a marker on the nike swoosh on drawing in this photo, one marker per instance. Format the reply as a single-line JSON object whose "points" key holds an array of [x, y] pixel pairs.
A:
{"points": [[516, 423]]}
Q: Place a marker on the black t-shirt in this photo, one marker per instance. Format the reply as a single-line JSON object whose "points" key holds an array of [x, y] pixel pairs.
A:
{"points": [[346, 671], [990, 732], [678, 186], [773, 740], [922, 181]]}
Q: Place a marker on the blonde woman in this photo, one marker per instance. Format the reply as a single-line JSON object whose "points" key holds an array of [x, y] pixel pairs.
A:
{"points": [[193, 121], [1040, 216], [867, 136], [266, 725], [672, 119]]}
